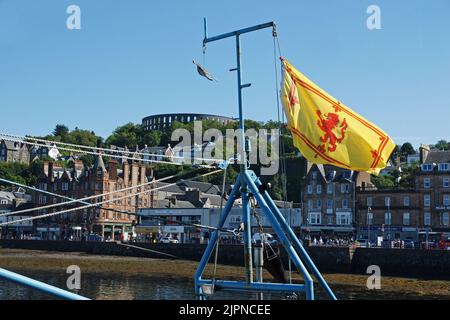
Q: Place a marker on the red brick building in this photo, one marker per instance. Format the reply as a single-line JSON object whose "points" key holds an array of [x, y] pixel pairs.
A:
{"points": [[78, 182]]}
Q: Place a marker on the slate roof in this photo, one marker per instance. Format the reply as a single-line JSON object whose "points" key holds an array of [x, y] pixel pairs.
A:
{"points": [[335, 174], [435, 157]]}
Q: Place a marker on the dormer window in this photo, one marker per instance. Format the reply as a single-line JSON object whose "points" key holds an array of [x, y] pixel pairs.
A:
{"points": [[427, 167], [314, 175], [444, 167]]}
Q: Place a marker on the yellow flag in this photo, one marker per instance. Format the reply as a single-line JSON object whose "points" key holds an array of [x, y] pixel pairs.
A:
{"points": [[328, 132]]}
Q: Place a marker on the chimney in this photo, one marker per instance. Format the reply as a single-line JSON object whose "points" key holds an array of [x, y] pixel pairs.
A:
{"points": [[142, 175], [134, 174], [112, 170], [193, 196], [50, 171], [126, 173], [424, 150]]}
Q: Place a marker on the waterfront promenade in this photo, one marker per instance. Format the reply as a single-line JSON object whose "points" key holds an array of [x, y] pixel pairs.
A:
{"points": [[108, 277]]}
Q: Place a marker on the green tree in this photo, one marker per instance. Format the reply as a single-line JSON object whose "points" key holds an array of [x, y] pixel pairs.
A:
{"points": [[442, 145], [383, 181], [61, 131], [128, 135]]}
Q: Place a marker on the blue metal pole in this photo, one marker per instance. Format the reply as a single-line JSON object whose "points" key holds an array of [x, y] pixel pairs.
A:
{"points": [[283, 237], [240, 31], [298, 246], [38, 285], [248, 258], [255, 286], [214, 237]]}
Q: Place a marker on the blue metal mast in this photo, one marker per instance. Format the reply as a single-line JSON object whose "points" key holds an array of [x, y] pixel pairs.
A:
{"points": [[247, 185]]}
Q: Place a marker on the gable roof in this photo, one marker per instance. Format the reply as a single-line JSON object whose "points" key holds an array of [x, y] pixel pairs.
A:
{"points": [[435, 157], [332, 173]]}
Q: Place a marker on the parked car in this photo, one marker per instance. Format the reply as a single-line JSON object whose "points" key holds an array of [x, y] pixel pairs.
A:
{"points": [[94, 237], [168, 240], [265, 237], [409, 244]]}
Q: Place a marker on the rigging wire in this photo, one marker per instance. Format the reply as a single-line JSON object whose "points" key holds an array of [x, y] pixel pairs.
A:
{"points": [[98, 203], [218, 235], [110, 152], [122, 211], [281, 121], [90, 197]]}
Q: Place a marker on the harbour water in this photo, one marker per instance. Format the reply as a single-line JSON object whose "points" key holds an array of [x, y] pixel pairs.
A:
{"points": [[104, 286]]}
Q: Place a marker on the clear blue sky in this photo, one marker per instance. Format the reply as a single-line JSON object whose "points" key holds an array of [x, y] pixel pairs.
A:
{"points": [[133, 58]]}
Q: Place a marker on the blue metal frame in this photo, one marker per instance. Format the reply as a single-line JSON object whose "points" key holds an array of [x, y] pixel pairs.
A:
{"points": [[41, 286], [247, 184]]}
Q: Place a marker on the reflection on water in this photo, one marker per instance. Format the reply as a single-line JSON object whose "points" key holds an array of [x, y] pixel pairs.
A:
{"points": [[119, 287]]}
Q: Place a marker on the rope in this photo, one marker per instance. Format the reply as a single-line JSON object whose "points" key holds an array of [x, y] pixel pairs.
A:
{"points": [[121, 211], [88, 198], [20, 139], [281, 121], [218, 235], [97, 204]]}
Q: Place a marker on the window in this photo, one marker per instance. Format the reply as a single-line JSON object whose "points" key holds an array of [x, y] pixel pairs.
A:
{"points": [[3, 201], [387, 218], [427, 183], [427, 200], [65, 186], [343, 218], [427, 167], [446, 200], [330, 203], [330, 188], [406, 201], [443, 167], [345, 203], [369, 201], [42, 199], [310, 189], [314, 218], [310, 204], [314, 175], [319, 204], [370, 218], [446, 182], [319, 189], [427, 218], [345, 188], [406, 219], [387, 201], [445, 219]]}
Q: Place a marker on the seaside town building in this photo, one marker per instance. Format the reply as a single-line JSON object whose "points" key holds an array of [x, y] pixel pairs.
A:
{"points": [[80, 182], [328, 199]]}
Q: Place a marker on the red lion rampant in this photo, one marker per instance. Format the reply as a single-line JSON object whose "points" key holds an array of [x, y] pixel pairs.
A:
{"points": [[328, 124]]}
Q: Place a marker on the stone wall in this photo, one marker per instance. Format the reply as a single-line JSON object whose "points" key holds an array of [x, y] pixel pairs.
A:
{"points": [[395, 262]]}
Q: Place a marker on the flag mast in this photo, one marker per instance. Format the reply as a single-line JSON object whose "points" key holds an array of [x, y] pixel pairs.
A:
{"points": [[248, 185]]}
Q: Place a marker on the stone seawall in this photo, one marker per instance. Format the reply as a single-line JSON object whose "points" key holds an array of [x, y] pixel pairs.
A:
{"points": [[395, 262]]}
